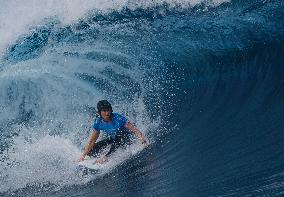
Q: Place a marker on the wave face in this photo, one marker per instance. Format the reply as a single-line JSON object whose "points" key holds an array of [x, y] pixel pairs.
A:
{"points": [[202, 79]]}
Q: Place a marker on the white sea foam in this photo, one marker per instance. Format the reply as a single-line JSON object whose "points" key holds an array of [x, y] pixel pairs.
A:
{"points": [[50, 162]]}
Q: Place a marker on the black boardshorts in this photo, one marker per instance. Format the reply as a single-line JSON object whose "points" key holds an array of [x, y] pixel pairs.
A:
{"points": [[122, 139]]}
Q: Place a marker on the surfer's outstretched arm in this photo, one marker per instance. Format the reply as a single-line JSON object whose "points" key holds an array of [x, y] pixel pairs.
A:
{"points": [[90, 144], [138, 134]]}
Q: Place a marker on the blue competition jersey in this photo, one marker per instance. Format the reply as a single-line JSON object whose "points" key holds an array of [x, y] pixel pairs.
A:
{"points": [[110, 128]]}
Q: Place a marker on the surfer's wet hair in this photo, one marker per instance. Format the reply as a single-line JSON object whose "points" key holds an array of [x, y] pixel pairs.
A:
{"points": [[104, 105]]}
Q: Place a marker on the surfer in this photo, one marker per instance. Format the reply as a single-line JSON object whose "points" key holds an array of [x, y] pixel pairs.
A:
{"points": [[117, 128]]}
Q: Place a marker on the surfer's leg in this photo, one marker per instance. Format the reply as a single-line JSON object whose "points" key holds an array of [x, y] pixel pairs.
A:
{"points": [[120, 141], [112, 149], [99, 146]]}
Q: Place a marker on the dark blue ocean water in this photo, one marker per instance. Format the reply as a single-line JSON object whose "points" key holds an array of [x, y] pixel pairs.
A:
{"points": [[205, 83]]}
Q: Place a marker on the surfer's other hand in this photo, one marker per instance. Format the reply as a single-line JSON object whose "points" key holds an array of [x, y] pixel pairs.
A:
{"points": [[145, 143], [102, 160]]}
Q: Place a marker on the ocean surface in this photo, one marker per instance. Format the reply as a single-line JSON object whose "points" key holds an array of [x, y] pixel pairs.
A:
{"points": [[202, 79]]}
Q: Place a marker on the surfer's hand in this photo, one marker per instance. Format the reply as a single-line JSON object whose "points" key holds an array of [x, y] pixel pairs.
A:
{"points": [[145, 143], [102, 160], [82, 158]]}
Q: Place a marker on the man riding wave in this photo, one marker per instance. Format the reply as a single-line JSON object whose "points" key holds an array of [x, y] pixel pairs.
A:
{"points": [[117, 128]]}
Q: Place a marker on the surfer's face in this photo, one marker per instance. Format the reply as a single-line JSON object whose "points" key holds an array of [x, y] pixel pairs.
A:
{"points": [[106, 115]]}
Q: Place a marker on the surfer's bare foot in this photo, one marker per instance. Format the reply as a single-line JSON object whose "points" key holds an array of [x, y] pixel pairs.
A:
{"points": [[102, 160]]}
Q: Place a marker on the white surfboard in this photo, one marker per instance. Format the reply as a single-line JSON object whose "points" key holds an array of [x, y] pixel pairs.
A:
{"points": [[90, 163]]}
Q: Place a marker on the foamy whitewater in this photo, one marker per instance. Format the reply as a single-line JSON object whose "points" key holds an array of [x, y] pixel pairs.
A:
{"points": [[202, 79]]}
